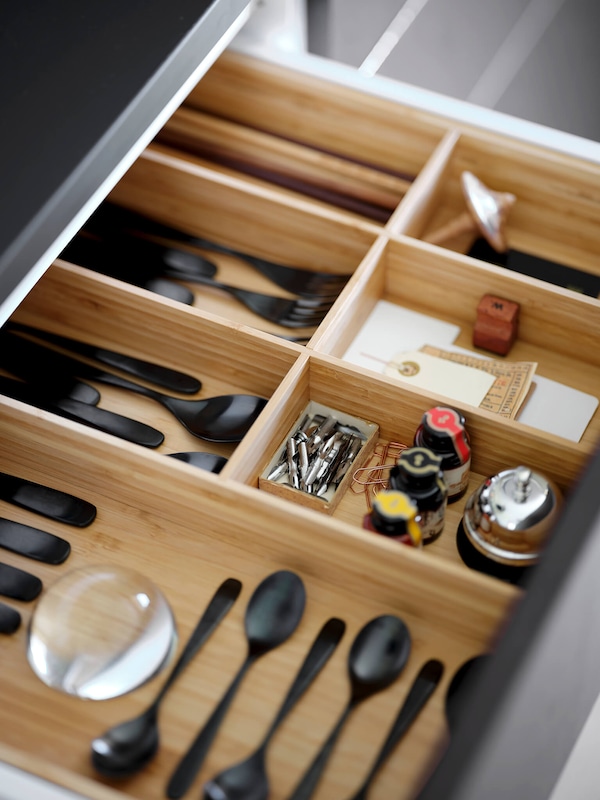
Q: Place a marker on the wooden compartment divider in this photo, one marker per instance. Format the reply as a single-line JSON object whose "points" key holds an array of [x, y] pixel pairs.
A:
{"points": [[319, 114], [325, 176], [168, 186], [423, 195]]}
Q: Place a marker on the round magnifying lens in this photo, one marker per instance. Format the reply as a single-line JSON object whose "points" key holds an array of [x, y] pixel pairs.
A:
{"points": [[100, 632]]}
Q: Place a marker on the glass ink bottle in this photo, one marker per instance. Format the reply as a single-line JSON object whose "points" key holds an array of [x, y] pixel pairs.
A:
{"points": [[418, 473], [442, 430], [394, 515]]}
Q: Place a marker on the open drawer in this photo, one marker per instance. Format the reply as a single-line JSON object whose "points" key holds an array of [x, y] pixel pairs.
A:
{"points": [[187, 529]]}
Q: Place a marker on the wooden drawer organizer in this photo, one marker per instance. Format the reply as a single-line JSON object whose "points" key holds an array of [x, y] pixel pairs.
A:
{"points": [[187, 530]]}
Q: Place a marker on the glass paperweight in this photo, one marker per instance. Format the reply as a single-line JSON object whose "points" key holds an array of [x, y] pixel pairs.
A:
{"points": [[100, 632]]}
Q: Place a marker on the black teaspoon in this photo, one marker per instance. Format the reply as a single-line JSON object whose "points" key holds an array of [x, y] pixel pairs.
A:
{"points": [[248, 779], [273, 614], [171, 289], [420, 692], [377, 656], [127, 747]]}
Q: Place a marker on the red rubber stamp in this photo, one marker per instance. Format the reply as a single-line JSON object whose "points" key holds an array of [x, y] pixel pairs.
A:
{"points": [[496, 325]]}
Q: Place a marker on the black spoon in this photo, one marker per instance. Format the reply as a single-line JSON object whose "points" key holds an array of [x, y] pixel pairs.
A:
{"points": [[273, 614], [127, 747], [46, 501], [171, 290], [423, 687], [197, 458], [248, 779], [460, 686], [377, 656], [217, 419]]}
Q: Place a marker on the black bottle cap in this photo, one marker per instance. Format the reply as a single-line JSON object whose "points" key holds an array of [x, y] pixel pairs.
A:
{"points": [[419, 464], [394, 514], [443, 430]]}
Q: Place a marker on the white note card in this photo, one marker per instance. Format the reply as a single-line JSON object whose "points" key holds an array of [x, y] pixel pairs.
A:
{"points": [[559, 409], [390, 329]]}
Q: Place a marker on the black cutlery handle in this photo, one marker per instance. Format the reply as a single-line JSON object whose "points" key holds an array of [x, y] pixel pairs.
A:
{"points": [[33, 542], [92, 416], [423, 687], [309, 781], [19, 359], [42, 397], [108, 421], [77, 390], [192, 761], [10, 619], [162, 376], [319, 654], [18, 584], [42, 365], [46, 501], [221, 602]]}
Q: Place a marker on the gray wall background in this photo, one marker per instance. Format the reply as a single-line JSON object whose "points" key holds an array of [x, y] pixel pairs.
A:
{"points": [[535, 59]]}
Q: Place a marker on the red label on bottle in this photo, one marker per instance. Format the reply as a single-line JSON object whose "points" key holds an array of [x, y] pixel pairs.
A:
{"points": [[447, 420]]}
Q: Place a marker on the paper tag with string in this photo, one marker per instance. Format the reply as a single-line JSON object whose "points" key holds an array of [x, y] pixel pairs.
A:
{"points": [[458, 382], [512, 379]]}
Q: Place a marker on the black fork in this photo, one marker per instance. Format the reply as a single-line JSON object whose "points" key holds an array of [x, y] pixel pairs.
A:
{"points": [[298, 312], [111, 220]]}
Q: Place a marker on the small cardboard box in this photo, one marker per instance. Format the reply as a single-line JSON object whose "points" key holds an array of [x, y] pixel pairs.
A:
{"points": [[328, 502]]}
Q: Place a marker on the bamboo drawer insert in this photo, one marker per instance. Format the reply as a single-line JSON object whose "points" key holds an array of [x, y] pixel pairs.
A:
{"points": [[288, 168]]}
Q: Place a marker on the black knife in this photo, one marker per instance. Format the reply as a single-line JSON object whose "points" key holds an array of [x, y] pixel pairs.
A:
{"points": [[48, 502], [39, 364], [99, 418], [153, 373], [44, 367]]}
